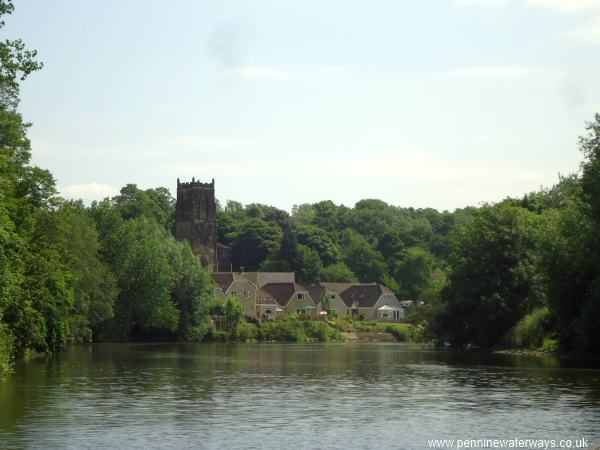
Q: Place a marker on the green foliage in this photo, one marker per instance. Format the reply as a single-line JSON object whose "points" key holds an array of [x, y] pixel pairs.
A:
{"points": [[413, 273], [532, 330], [494, 280], [245, 332], [234, 313], [16, 63], [362, 258], [397, 331], [7, 351], [288, 329], [338, 273]]}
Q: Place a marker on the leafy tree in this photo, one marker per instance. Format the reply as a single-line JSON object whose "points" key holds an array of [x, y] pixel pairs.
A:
{"points": [[338, 273], [571, 253], [94, 286], [319, 240], [308, 265], [303, 214], [413, 273], [157, 204], [494, 279], [234, 312], [254, 243], [362, 258], [192, 292], [145, 279]]}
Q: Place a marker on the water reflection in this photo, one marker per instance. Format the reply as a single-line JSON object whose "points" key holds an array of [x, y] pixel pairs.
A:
{"points": [[290, 395]]}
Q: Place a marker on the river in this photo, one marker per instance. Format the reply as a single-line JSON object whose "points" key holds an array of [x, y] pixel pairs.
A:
{"points": [[291, 396]]}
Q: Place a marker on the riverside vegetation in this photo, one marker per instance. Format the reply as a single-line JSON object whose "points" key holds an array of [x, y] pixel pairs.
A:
{"points": [[524, 272]]}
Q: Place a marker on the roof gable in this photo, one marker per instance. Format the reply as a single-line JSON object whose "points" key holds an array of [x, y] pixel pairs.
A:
{"points": [[365, 295]]}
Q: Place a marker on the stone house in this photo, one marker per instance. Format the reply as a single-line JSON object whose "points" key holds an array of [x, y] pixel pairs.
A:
{"points": [[370, 301], [276, 294]]}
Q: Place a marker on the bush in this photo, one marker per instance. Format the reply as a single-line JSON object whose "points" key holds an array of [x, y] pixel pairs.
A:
{"points": [[321, 331], [288, 329], [396, 331], [532, 330], [245, 332]]}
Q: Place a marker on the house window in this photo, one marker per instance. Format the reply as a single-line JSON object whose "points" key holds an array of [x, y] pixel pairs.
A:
{"points": [[267, 311], [332, 296], [233, 292], [385, 315], [300, 296], [246, 294]]}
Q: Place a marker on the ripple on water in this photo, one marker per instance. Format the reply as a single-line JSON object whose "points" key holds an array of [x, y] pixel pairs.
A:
{"points": [[289, 396]]}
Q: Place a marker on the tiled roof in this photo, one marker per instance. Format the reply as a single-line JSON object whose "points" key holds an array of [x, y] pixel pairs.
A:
{"points": [[338, 287], [259, 279], [316, 292], [366, 295], [223, 280], [282, 292]]}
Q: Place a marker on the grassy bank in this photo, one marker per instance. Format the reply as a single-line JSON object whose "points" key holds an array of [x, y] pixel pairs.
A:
{"points": [[294, 329]]}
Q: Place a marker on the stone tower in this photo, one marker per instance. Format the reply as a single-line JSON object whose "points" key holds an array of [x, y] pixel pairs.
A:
{"points": [[195, 220]]}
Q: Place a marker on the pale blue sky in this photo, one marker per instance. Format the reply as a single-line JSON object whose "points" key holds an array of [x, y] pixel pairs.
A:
{"points": [[441, 103]]}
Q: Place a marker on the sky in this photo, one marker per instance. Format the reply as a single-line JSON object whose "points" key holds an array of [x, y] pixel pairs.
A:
{"points": [[422, 103]]}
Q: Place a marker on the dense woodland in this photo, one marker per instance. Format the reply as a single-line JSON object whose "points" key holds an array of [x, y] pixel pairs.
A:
{"points": [[523, 272]]}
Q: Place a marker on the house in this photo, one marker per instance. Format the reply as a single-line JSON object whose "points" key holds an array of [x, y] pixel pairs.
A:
{"points": [[292, 298], [276, 294], [248, 288], [321, 292], [232, 283], [370, 301]]}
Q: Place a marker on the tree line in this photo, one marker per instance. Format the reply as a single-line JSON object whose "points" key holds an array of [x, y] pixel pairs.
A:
{"points": [[521, 272]]}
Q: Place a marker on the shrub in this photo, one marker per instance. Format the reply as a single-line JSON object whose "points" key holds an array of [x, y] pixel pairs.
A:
{"points": [[531, 330], [396, 331], [245, 332], [288, 329], [320, 331]]}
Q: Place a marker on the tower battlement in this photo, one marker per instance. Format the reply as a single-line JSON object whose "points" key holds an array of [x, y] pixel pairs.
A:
{"points": [[195, 184]]}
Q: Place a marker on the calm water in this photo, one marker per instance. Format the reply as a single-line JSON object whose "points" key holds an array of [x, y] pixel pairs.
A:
{"points": [[290, 396]]}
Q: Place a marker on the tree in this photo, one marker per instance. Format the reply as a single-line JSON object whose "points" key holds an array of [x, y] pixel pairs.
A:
{"points": [[192, 292], [361, 258], [16, 63], [94, 285], [413, 273], [144, 307], [308, 265], [234, 312], [494, 279], [571, 254], [254, 243], [318, 239], [338, 273]]}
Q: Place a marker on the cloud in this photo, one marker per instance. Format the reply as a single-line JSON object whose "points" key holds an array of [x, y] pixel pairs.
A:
{"points": [[570, 6], [88, 191], [588, 33], [566, 6], [491, 72], [268, 73]]}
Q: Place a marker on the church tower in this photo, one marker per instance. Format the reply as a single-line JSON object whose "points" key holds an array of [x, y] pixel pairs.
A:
{"points": [[195, 220]]}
